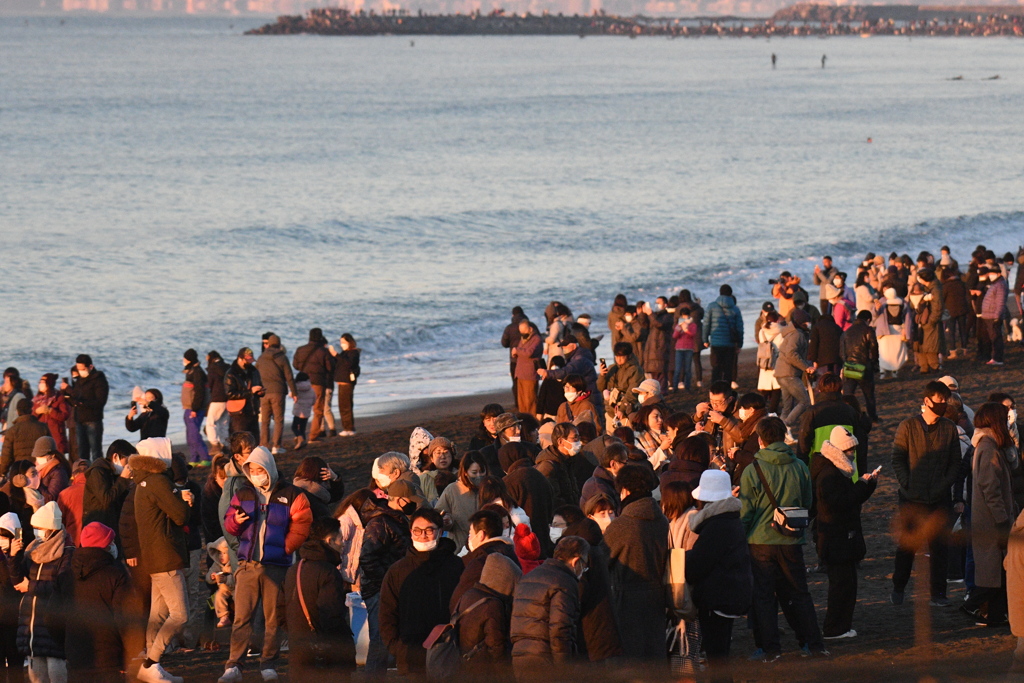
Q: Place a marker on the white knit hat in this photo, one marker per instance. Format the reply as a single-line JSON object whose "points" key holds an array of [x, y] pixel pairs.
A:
{"points": [[48, 517], [10, 522], [842, 439]]}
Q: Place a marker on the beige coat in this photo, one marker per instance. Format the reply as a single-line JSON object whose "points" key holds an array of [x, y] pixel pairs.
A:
{"points": [[1014, 565]]}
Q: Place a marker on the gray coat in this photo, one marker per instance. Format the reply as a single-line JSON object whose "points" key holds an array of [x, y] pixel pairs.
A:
{"points": [[992, 507], [275, 371], [792, 360]]}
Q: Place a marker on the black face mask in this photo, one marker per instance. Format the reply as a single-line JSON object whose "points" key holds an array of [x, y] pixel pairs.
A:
{"points": [[409, 508], [938, 408]]}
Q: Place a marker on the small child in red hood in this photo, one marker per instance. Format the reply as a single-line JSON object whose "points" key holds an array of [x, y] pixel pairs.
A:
{"points": [[527, 549]]}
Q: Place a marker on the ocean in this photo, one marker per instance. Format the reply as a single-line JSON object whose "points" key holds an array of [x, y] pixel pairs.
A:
{"points": [[171, 183]]}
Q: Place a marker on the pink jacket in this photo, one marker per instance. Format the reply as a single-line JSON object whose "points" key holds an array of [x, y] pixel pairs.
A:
{"points": [[685, 337]]}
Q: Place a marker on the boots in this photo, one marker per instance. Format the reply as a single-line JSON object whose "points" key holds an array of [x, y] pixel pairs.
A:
{"points": [[299, 443]]}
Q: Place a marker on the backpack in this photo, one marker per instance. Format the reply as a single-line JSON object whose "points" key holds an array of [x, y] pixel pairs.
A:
{"points": [[442, 645]]}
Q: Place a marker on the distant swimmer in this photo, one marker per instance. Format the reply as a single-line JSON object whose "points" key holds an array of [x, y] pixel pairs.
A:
{"points": [[869, 139], [991, 78], [823, 61], [412, 43], [774, 58]]}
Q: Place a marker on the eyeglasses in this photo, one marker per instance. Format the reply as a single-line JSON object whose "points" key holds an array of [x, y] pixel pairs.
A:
{"points": [[425, 532]]}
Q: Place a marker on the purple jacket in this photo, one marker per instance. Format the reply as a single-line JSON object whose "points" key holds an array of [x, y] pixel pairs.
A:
{"points": [[528, 352], [994, 304]]}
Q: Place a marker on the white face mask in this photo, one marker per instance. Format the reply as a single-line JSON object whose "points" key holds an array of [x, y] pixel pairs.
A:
{"points": [[260, 481], [40, 534], [838, 282], [382, 481], [42, 387], [513, 439], [556, 533], [744, 413], [425, 546], [655, 308], [570, 396], [575, 447], [604, 520], [83, 373], [1011, 417], [40, 462]]}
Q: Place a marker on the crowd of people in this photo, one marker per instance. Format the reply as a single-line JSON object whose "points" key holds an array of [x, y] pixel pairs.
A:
{"points": [[591, 523]]}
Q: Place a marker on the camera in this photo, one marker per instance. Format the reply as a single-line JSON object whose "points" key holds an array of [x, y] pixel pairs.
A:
{"points": [[772, 281]]}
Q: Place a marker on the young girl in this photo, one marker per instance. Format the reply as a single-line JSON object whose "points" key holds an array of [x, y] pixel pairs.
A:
{"points": [[220, 575], [304, 399]]}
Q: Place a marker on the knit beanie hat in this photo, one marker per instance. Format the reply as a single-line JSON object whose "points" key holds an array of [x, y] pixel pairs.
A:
{"points": [[842, 439], [500, 574], [191, 356], [48, 517], [156, 447], [96, 535], [51, 380], [45, 445]]}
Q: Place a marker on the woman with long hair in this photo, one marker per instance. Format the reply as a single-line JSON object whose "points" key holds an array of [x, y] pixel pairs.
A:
{"points": [[459, 500], [346, 372], [651, 435], [323, 487]]}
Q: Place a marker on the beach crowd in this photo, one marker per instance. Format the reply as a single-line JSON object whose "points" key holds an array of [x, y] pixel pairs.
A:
{"points": [[586, 523]]}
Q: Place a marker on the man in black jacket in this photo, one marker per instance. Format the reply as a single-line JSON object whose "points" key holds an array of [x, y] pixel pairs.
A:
{"points": [[926, 461], [417, 591], [216, 410], [314, 592], [485, 538], [828, 411], [315, 360], [823, 349], [244, 386], [88, 394], [193, 403], [106, 485], [277, 380], [529, 489], [859, 345]]}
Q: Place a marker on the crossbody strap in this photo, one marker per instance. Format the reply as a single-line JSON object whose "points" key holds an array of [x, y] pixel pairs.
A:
{"points": [[302, 598], [764, 483], [456, 617]]}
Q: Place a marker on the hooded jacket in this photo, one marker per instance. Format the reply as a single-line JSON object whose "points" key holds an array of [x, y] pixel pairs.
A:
{"points": [[718, 566], [555, 466], [790, 482], [837, 503], [105, 493], [324, 593], [723, 324], [386, 539], [160, 516], [274, 369], [792, 344], [41, 620], [101, 592], [315, 360], [473, 564], [193, 389], [278, 520]]}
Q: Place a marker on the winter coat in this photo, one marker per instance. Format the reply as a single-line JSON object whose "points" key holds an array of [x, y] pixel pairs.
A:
{"points": [[792, 360], [53, 478], [992, 506], [238, 384], [459, 503], [212, 529], [545, 611], [828, 411], [56, 419], [859, 344], [718, 566], [925, 460], [473, 565], [483, 632], [19, 440], [528, 352], [89, 396], [598, 633], [555, 467], [600, 482], [1014, 566], [790, 482], [215, 372], [279, 519], [275, 371], [324, 591], [682, 470], [150, 423], [193, 389], [103, 601], [823, 348], [621, 380], [685, 336], [386, 539], [160, 516], [659, 343], [510, 335], [837, 503], [346, 366], [579, 411], [638, 545], [322, 496], [614, 316], [315, 360], [993, 305], [128, 528], [843, 314], [70, 503], [723, 326], [744, 437], [44, 606], [105, 493], [581, 362], [931, 329], [194, 527], [533, 492], [414, 598], [954, 297]]}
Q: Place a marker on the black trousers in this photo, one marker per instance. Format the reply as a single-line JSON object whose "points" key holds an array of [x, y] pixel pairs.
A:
{"points": [[723, 363], [938, 549], [716, 638], [991, 602], [994, 332], [867, 387], [781, 578], [842, 598]]}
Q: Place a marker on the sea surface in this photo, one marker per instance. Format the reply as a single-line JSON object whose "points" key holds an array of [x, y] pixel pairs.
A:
{"points": [[171, 183]]}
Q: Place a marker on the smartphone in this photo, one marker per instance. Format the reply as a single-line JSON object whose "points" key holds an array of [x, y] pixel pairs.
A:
{"points": [[877, 470], [603, 362]]}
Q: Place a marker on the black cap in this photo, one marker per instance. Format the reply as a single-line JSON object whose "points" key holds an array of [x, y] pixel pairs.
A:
{"points": [[768, 307]]}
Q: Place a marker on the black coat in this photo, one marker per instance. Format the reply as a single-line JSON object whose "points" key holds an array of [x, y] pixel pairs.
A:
{"points": [[315, 360], [556, 467], [346, 364], [483, 632], [42, 617], [103, 602], [545, 613], [89, 396], [212, 529], [150, 423], [238, 384], [128, 528], [473, 566], [104, 495], [598, 636], [386, 539], [860, 345], [322, 498], [828, 410], [837, 501], [682, 470], [324, 591], [414, 598], [215, 372], [823, 348], [718, 566], [532, 492]]}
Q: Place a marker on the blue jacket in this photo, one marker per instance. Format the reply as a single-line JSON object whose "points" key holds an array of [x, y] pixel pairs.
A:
{"points": [[723, 324]]}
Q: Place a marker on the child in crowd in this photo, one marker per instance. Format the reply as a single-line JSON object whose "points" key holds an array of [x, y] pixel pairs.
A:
{"points": [[220, 576]]}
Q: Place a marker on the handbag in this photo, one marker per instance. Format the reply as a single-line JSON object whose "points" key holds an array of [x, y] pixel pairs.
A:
{"points": [[236, 405], [444, 659], [788, 521], [854, 371], [677, 591]]}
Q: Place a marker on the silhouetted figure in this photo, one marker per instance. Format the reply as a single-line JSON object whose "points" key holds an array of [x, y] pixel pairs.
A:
{"points": [[823, 61], [774, 58]]}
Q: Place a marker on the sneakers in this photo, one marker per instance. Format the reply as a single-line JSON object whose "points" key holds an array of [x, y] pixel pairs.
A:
{"points": [[154, 673], [231, 675], [269, 675], [347, 432], [940, 601], [276, 451], [680, 386], [284, 645], [896, 597], [224, 622], [994, 362], [849, 634], [760, 655], [203, 463]]}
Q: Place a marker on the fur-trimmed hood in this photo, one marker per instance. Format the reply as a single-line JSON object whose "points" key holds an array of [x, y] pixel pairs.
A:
{"points": [[837, 458], [718, 507], [147, 464]]}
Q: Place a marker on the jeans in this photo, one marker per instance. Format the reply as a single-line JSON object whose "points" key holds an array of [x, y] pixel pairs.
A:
{"points": [[780, 577], [271, 404], [867, 387], [217, 420], [684, 368], [90, 440], [254, 581], [937, 548], [168, 612], [47, 670], [723, 363], [794, 400], [377, 654], [193, 436]]}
